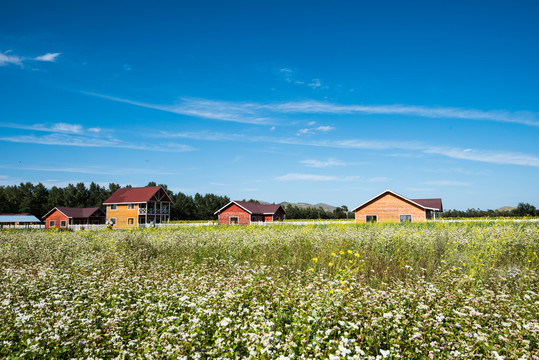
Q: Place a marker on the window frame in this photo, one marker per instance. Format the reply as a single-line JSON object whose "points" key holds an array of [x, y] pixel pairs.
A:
{"points": [[52, 223], [374, 218], [130, 206], [113, 220], [131, 221], [63, 223], [407, 218], [113, 206], [233, 223]]}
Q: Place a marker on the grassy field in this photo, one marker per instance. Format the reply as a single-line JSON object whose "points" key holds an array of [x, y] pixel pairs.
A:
{"points": [[410, 291]]}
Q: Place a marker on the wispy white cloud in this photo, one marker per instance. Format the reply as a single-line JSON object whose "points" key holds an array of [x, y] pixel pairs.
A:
{"points": [[315, 177], [315, 129], [64, 128], [209, 109], [7, 58], [494, 157], [81, 141], [268, 113], [317, 107], [322, 164], [95, 170], [447, 183], [48, 57], [291, 77]]}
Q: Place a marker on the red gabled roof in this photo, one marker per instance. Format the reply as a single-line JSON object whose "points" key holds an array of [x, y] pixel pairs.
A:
{"points": [[424, 205], [254, 208], [135, 195], [77, 212], [430, 203]]}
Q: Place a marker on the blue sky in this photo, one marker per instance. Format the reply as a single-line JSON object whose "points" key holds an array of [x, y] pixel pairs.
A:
{"points": [[303, 101]]}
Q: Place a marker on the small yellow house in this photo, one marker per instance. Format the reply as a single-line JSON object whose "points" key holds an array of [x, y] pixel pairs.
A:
{"points": [[134, 207]]}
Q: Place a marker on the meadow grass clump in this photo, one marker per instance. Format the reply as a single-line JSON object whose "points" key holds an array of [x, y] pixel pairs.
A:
{"points": [[365, 291]]}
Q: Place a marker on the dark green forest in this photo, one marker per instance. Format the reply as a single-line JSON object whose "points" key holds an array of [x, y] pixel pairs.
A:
{"points": [[38, 200]]}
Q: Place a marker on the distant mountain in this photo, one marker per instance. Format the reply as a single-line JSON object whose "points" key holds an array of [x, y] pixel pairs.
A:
{"points": [[306, 205], [303, 205]]}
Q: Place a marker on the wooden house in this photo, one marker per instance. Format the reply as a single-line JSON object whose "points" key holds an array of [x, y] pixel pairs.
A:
{"points": [[132, 207], [390, 206], [18, 220], [63, 217], [246, 213]]}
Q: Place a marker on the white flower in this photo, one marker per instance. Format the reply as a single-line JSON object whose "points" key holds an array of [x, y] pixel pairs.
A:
{"points": [[498, 356], [440, 317], [388, 315], [225, 322], [385, 353]]}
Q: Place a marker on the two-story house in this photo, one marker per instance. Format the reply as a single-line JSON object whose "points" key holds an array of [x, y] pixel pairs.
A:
{"points": [[131, 207]]}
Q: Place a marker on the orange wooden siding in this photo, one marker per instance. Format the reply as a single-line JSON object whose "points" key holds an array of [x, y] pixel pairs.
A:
{"points": [[122, 213], [389, 208]]}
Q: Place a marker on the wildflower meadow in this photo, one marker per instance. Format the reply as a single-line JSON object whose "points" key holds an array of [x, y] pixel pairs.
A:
{"points": [[371, 291]]}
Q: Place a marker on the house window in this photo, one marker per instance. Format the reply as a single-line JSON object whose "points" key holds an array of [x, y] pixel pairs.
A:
{"points": [[130, 206], [51, 223], [406, 218], [113, 221], [234, 220], [113, 207], [371, 218], [63, 223], [130, 221]]}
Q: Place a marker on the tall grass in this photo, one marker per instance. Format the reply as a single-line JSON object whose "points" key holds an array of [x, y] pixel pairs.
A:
{"points": [[429, 290]]}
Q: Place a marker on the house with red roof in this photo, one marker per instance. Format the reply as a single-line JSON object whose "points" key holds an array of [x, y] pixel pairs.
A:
{"points": [[132, 207], [246, 213], [390, 206], [64, 217]]}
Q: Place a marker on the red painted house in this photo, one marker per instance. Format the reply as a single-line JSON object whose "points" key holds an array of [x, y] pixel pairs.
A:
{"points": [[63, 217], [246, 213]]}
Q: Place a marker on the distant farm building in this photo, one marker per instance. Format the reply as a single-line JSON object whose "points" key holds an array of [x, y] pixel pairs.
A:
{"points": [[17, 220], [390, 206], [246, 213], [64, 217], [132, 207]]}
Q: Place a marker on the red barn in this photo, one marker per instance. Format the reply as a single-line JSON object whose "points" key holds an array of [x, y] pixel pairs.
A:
{"points": [[246, 213], [63, 217]]}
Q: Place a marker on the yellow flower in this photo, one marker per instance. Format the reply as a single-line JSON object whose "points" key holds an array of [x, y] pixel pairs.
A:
{"points": [[311, 269], [342, 252], [350, 251], [330, 264], [350, 261], [315, 259], [356, 254], [333, 254]]}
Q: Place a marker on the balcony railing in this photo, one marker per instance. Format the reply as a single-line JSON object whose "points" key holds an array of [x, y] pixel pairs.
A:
{"points": [[144, 211]]}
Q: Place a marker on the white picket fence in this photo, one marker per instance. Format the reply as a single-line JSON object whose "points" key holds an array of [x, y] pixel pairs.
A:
{"points": [[23, 226]]}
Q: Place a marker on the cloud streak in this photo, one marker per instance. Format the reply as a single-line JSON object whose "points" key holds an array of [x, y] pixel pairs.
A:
{"points": [[81, 141], [315, 177], [7, 58], [486, 156], [260, 113]]}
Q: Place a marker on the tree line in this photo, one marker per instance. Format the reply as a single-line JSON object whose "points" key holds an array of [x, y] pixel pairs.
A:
{"points": [[522, 209], [38, 200]]}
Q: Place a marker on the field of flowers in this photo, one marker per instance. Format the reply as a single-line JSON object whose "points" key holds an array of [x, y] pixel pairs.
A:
{"points": [[374, 291]]}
